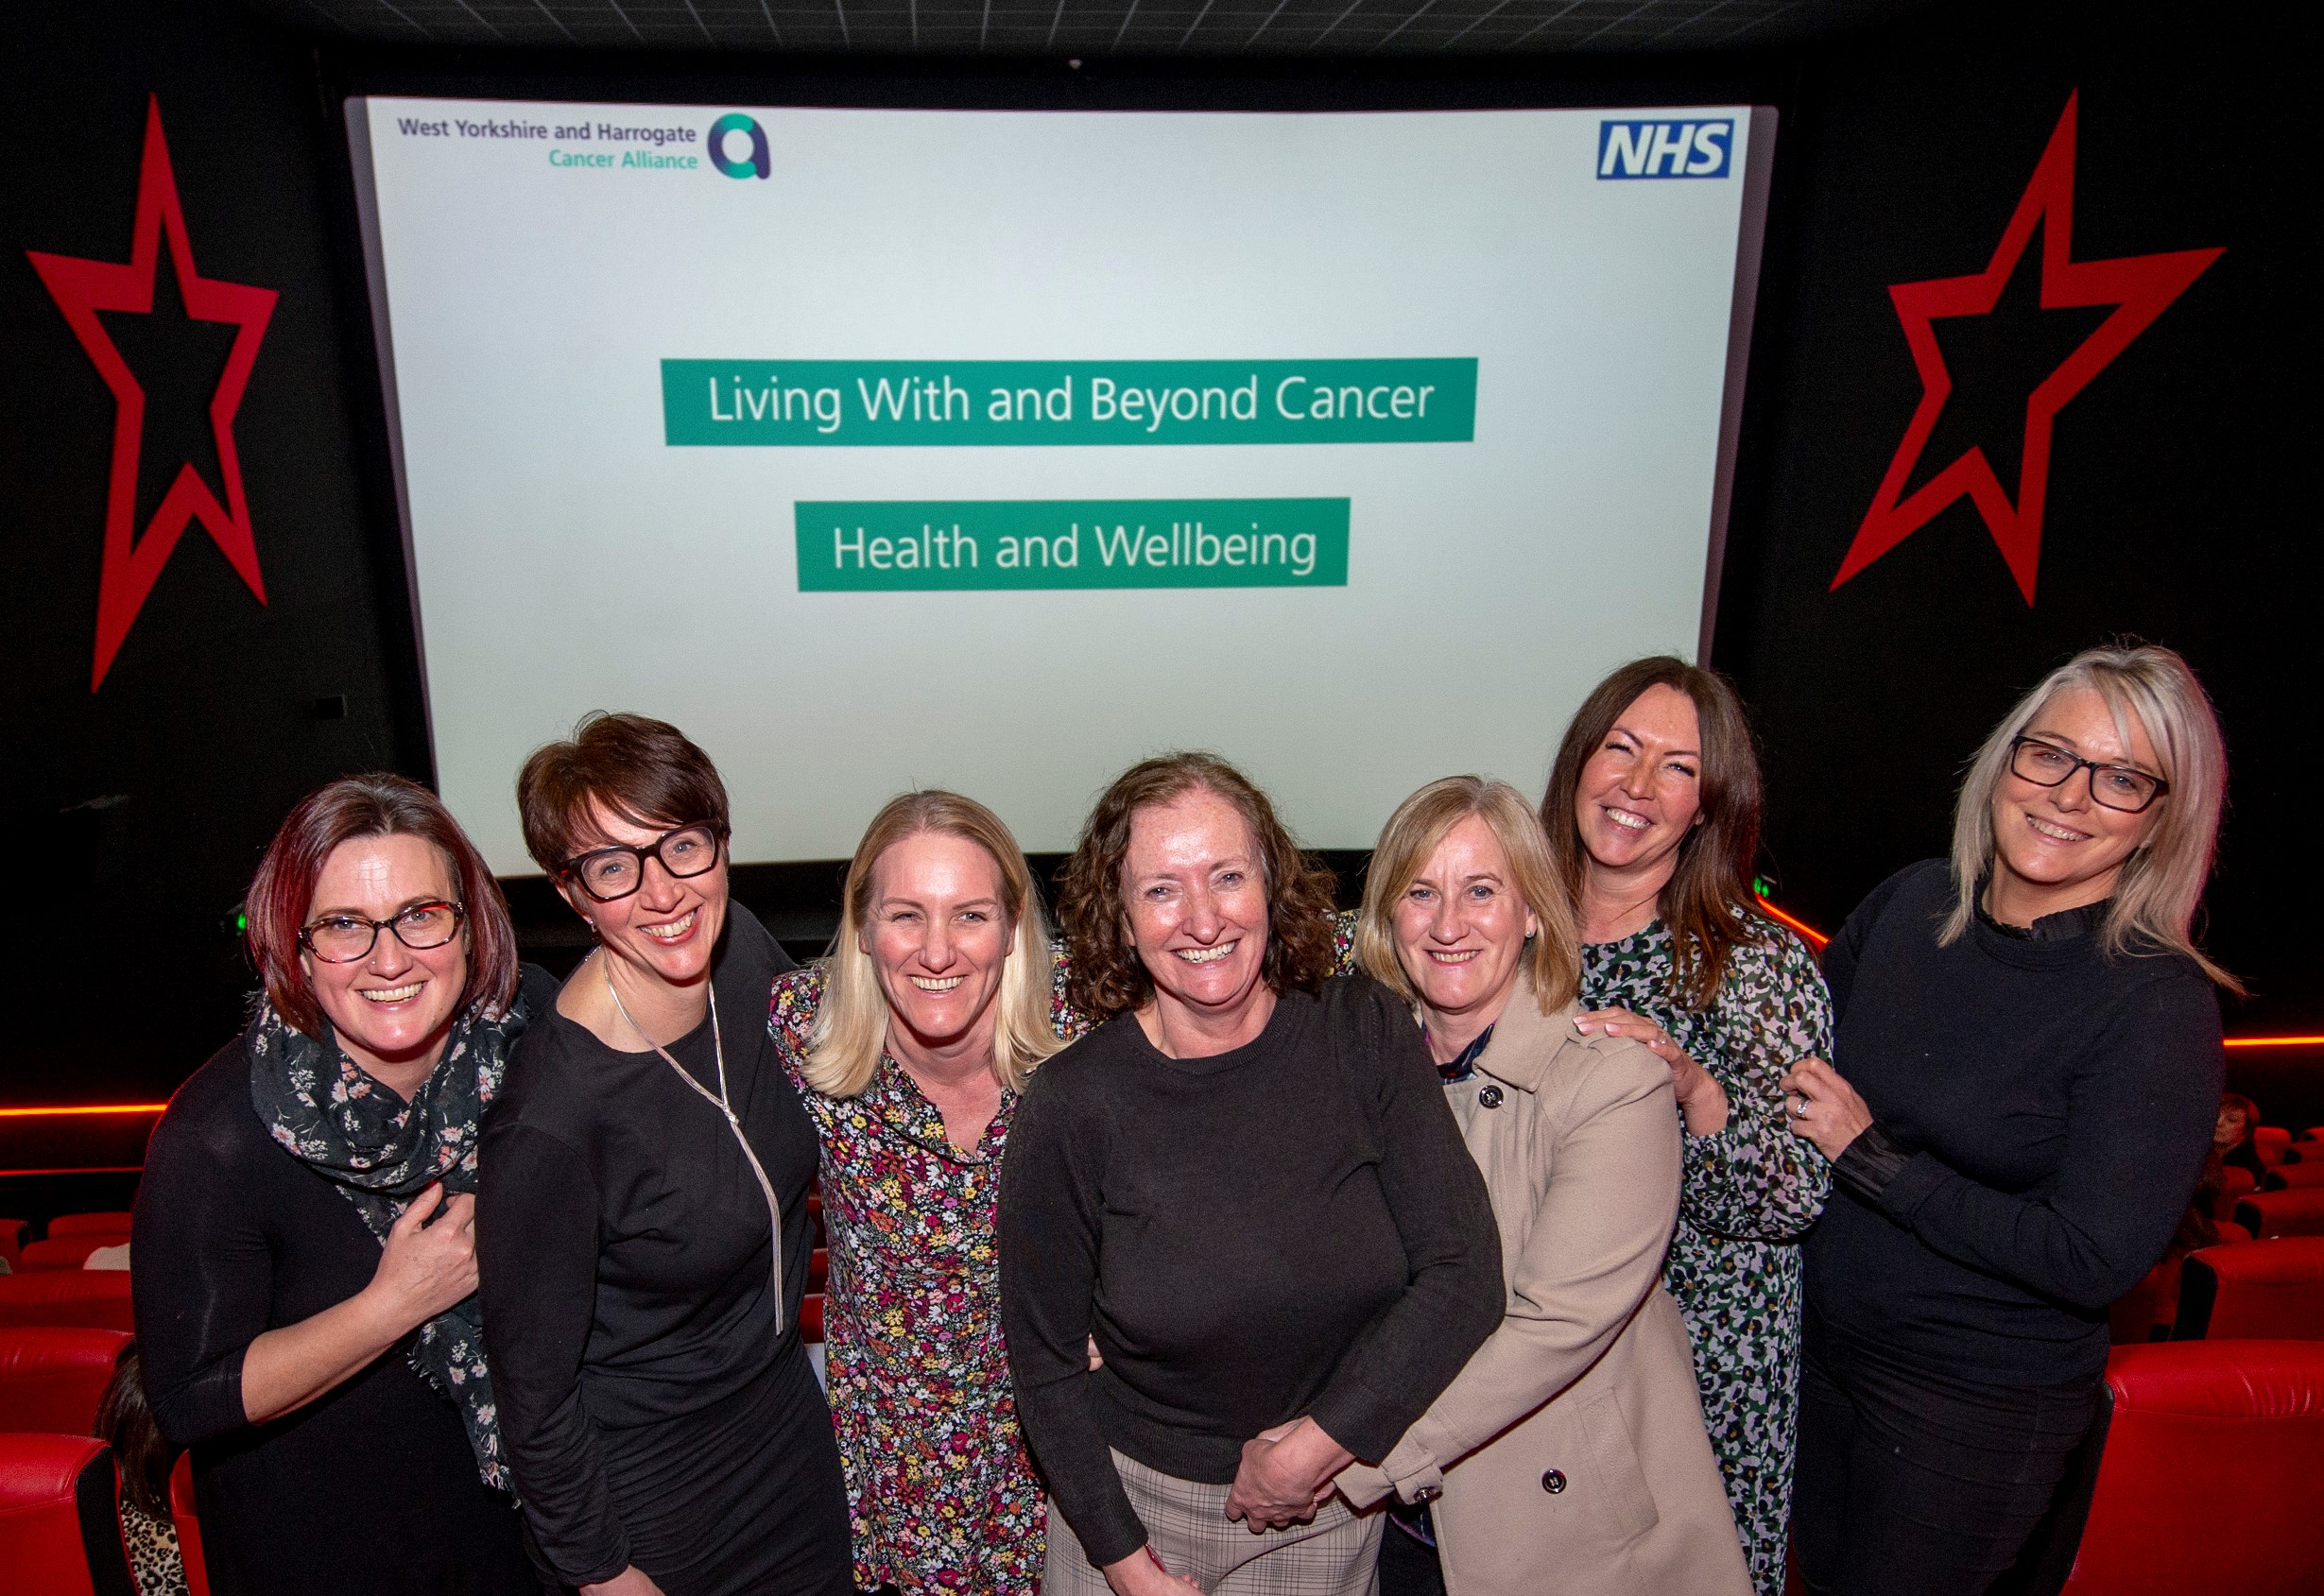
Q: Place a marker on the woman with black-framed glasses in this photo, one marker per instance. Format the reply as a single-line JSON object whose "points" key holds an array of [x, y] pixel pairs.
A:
{"points": [[643, 1223], [304, 1237], [2026, 1074]]}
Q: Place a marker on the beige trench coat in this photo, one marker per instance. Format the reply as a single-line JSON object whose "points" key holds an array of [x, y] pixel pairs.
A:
{"points": [[1569, 1453]]}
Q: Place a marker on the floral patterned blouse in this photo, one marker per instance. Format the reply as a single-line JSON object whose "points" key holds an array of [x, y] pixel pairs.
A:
{"points": [[940, 1494], [1749, 1193]]}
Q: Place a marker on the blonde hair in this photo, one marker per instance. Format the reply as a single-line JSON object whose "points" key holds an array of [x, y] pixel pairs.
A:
{"points": [[2161, 883], [1412, 835], [850, 1025]]}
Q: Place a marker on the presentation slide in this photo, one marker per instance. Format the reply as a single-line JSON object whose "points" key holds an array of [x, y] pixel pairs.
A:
{"points": [[996, 450]]}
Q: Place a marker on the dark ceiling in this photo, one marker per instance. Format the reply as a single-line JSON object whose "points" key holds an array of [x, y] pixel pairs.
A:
{"points": [[1092, 27]]}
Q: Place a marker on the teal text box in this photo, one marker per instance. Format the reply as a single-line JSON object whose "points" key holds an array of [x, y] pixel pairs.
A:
{"points": [[999, 403], [925, 545]]}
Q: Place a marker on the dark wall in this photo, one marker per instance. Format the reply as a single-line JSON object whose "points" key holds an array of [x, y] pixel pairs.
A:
{"points": [[2177, 506], [137, 810]]}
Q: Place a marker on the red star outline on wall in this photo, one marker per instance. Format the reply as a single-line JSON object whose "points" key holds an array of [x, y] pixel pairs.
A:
{"points": [[2139, 286], [81, 288]]}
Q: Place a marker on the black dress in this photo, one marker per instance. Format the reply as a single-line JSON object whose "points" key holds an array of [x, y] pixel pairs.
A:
{"points": [[651, 1411], [372, 1487]]}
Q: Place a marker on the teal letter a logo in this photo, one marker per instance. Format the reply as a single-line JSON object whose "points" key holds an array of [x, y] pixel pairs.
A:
{"points": [[735, 122]]}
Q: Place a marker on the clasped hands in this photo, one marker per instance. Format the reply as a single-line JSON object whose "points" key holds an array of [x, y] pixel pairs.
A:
{"points": [[1286, 1475]]}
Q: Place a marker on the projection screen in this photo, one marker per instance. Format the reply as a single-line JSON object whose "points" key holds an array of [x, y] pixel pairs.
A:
{"points": [[995, 450]]}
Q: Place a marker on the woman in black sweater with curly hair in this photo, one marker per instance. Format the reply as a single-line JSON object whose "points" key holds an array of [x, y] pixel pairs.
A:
{"points": [[2028, 1066], [1245, 1188]]}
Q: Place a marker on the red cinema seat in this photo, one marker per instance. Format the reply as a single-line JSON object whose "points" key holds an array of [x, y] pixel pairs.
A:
{"points": [[2230, 1231], [188, 1525], [52, 1376], [13, 1234], [811, 1317], [2283, 1213], [89, 1225], [2238, 1184], [2244, 1410], [2268, 1291], [2269, 1141], [67, 1252], [97, 1299], [2289, 1177], [818, 1269], [59, 1517]]}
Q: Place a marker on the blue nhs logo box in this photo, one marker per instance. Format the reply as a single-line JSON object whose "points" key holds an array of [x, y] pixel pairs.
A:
{"points": [[1666, 150]]}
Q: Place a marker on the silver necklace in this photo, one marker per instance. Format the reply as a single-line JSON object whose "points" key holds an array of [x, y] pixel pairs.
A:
{"points": [[718, 1100]]}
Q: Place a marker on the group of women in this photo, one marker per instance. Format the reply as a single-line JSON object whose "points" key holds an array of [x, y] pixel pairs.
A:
{"points": [[1552, 1222]]}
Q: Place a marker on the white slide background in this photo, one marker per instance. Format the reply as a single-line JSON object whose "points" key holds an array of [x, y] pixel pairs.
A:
{"points": [[567, 560]]}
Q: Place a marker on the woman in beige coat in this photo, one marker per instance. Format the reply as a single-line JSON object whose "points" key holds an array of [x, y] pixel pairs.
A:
{"points": [[1570, 1453]]}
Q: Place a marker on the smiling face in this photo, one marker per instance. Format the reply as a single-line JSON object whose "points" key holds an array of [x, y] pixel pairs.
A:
{"points": [[1460, 927], [2054, 848], [1194, 893], [665, 930], [937, 935], [1641, 792], [392, 1008]]}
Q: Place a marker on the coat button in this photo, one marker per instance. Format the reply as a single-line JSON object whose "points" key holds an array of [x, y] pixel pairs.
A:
{"points": [[1553, 1481], [1490, 1096], [1428, 1493]]}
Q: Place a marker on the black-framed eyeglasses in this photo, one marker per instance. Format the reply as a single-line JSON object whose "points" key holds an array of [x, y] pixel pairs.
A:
{"points": [[2121, 787], [345, 938], [616, 871]]}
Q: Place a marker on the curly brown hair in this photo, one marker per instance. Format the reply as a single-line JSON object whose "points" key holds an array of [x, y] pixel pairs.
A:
{"points": [[1106, 977]]}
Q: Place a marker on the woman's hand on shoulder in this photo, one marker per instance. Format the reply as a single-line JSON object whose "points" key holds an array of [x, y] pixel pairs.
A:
{"points": [[1701, 1099], [1823, 1107], [423, 1268]]}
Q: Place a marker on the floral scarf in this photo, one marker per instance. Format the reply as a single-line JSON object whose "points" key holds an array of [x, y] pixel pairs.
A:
{"points": [[321, 1109]]}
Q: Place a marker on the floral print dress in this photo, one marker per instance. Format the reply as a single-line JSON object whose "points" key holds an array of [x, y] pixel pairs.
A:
{"points": [[1748, 1194], [940, 1494]]}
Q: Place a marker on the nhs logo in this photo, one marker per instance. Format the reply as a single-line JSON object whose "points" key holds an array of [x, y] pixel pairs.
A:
{"points": [[1666, 150]]}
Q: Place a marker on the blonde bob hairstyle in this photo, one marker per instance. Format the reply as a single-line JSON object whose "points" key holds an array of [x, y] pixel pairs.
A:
{"points": [[851, 1026], [1412, 833], [2161, 883]]}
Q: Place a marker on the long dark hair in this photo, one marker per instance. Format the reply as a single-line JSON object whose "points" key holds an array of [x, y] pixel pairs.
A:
{"points": [[1707, 904], [1106, 977], [126, 1423]]}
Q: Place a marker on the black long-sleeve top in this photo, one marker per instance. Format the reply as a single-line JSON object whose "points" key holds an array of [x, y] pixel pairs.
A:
{"points": [[1292, 1227], [236, 1237], [624, 1244], [2041, 1111]]}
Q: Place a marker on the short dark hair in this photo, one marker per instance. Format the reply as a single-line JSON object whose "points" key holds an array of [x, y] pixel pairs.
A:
{"points": [[644, 770], [1106, 977], [344, 811], [1708, 905]]}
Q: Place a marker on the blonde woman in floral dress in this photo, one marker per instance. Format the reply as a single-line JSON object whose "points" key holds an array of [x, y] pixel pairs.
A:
{"points": [[909, 1045], [1652, 812]]}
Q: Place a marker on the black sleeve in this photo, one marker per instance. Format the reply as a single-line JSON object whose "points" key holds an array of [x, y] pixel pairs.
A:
{"points": [[537, 1256], [1048, 1252], [2138, 1127], [203, 1281], [1404, 1360], [1842, 954]]}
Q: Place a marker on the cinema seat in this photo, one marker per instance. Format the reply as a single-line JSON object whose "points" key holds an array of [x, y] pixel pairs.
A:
{"points": [[97, 1299], [188, 1524], [2249, 1411], [109, 1224], [2238, 1184], [67, 1252], [52, 1376], [2283, 1213], [818, 1268], [2269, 1141], [2293, 1177], [2267, 1291], [2230, 1231], [59, 1517], [811, 1317], [13, 1234]]}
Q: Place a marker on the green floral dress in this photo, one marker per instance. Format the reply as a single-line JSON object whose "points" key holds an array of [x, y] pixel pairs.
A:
{"points": [[1747, 1196]]}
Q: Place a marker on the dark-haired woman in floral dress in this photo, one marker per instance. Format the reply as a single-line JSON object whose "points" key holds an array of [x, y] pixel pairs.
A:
{"points": [[909, 1045], [1653, 813]]}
